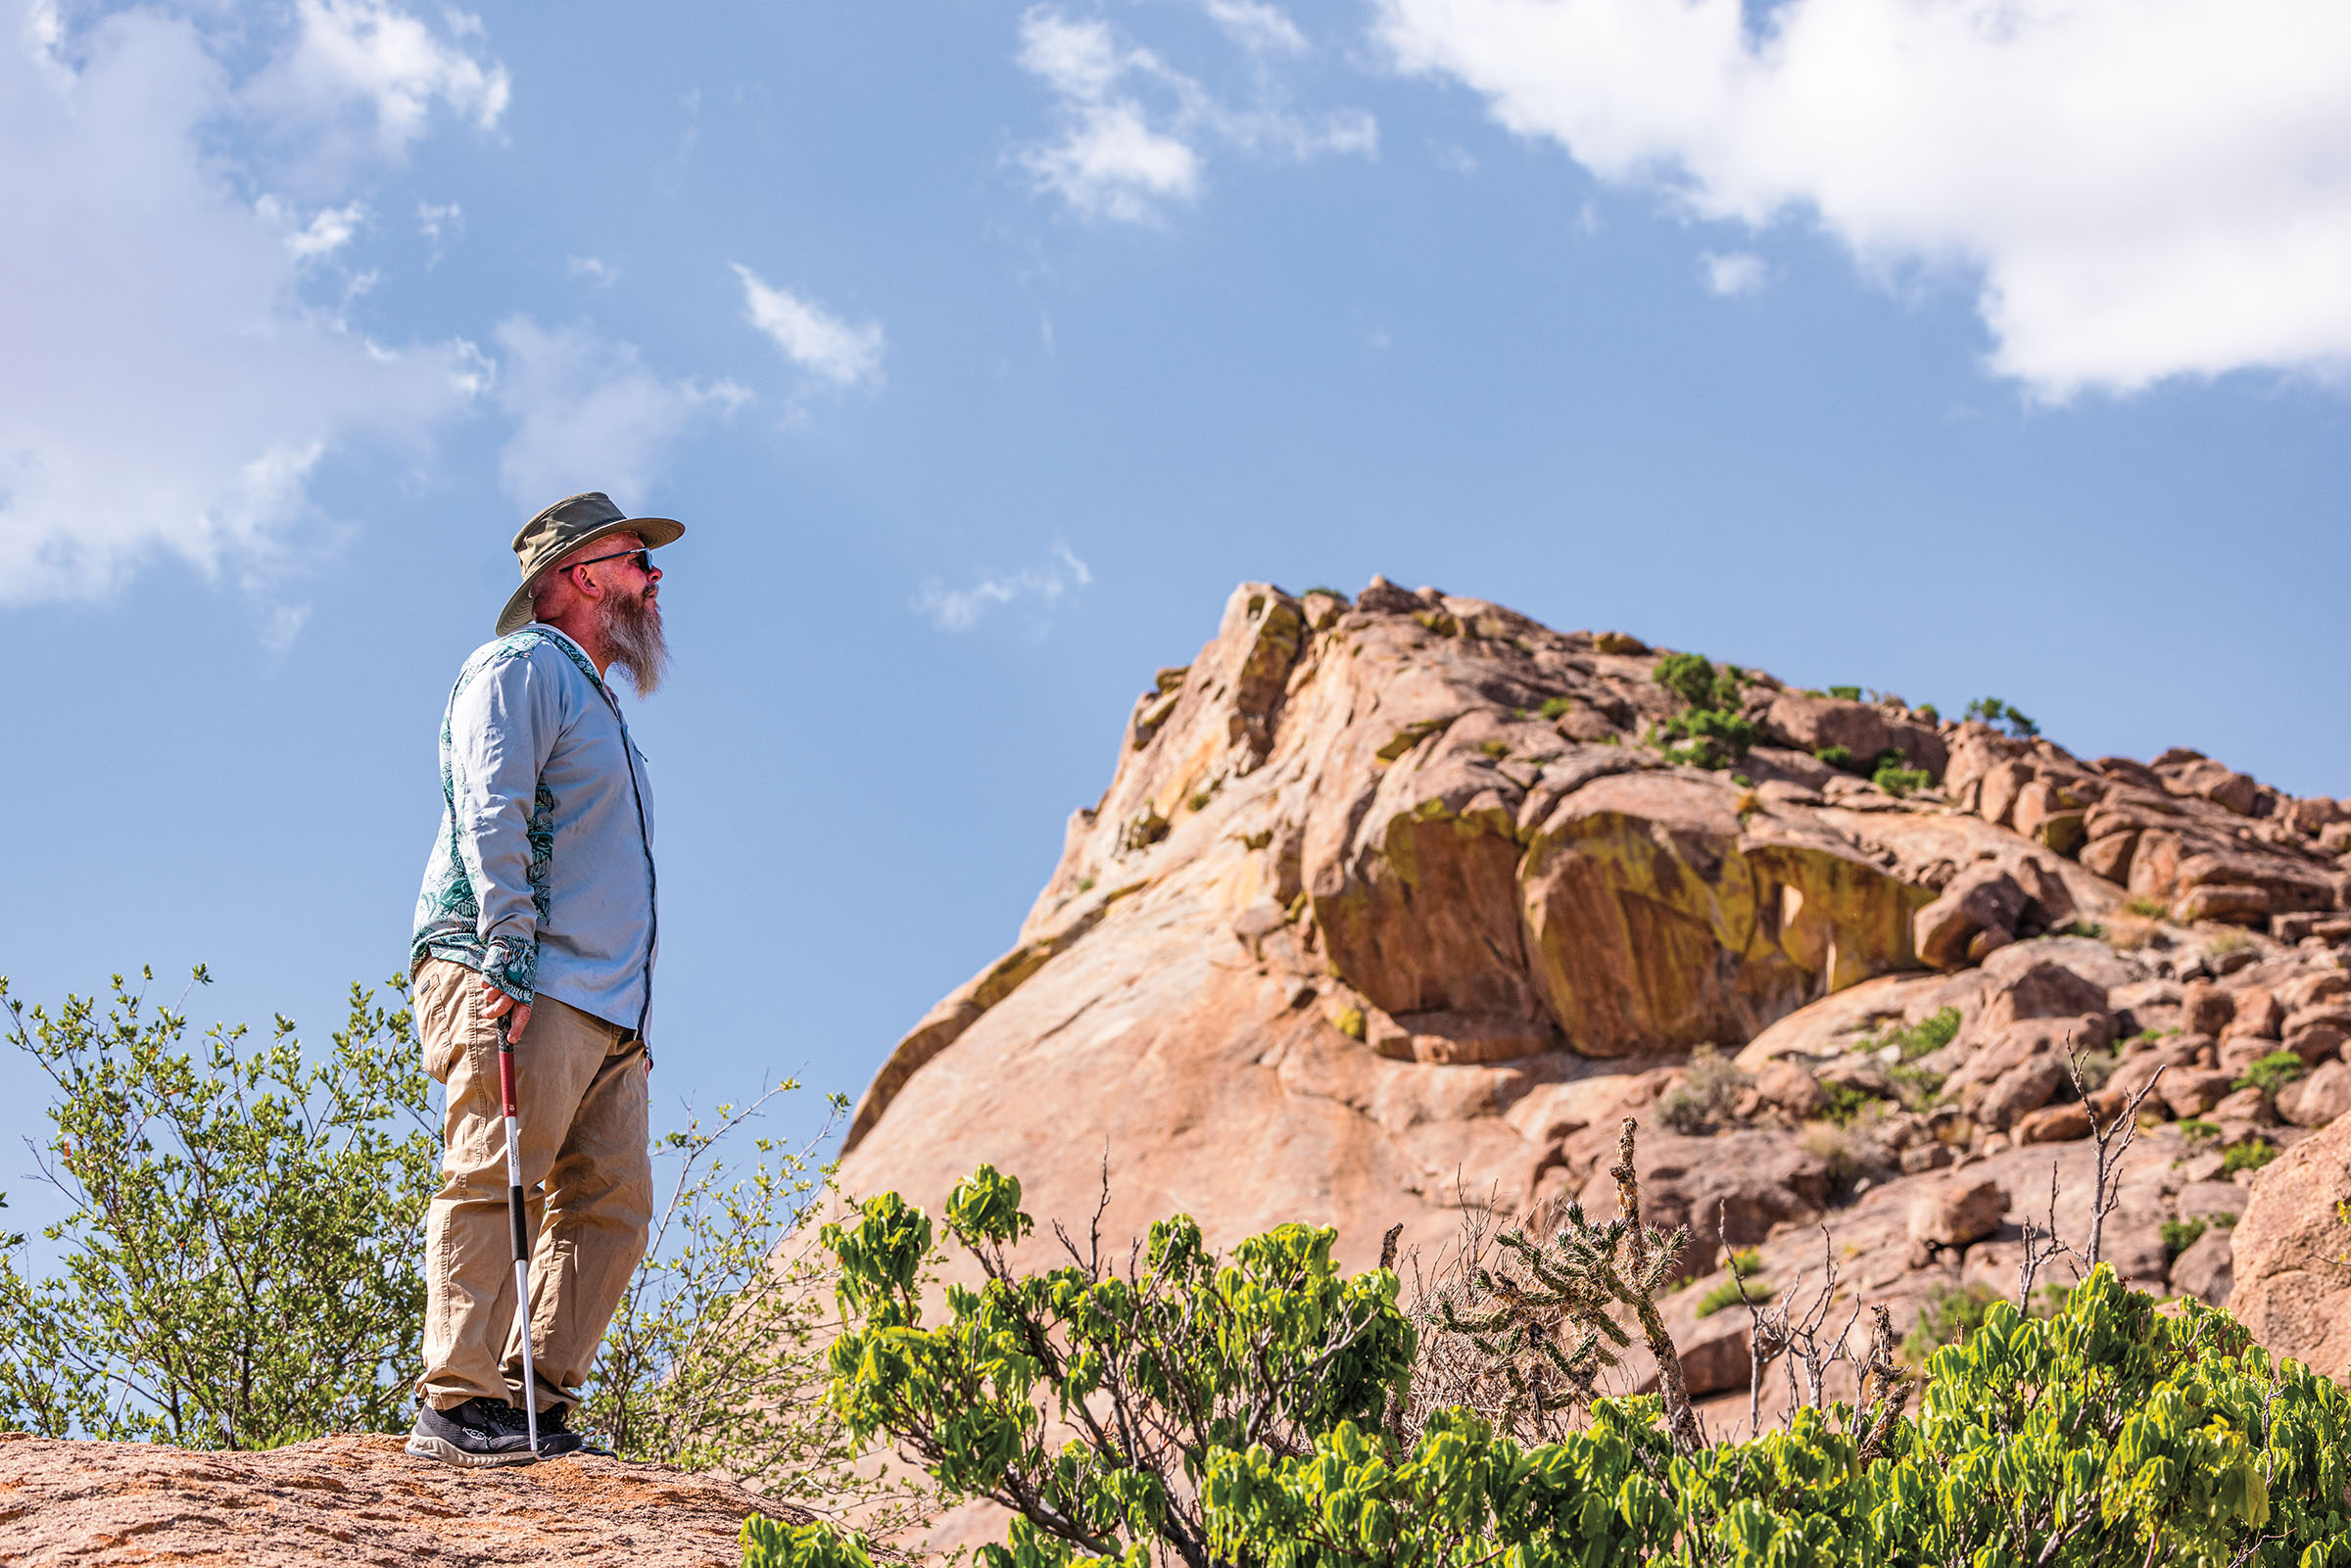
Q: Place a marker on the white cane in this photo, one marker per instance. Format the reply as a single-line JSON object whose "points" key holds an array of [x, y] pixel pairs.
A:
{"points": [[515, 1214]]}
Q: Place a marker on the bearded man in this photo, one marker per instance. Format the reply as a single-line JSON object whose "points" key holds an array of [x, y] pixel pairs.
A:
{"points": [[538, 915]]}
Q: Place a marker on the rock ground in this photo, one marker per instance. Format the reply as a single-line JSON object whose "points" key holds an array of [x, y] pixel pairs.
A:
{"points": [[354, 1499]]}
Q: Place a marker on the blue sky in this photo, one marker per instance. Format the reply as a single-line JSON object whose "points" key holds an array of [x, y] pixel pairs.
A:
{"points": [[1929, 345]]}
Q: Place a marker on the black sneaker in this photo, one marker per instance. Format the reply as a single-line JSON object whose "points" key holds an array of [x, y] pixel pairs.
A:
{"points": [[478, 1432], [557, 1438]]}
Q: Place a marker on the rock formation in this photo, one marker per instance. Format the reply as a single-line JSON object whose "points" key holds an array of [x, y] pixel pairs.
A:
{"points": [[1395, 905], [354, 1499]]}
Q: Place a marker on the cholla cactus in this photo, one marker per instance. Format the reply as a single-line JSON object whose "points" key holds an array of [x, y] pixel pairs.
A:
{"points": [[1543, 1318]]}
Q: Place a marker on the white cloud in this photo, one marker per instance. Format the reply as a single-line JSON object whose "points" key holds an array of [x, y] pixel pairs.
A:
{"points": [[1729, 272], [1132, 127], [173, 393], [1258, 27], [2147, 188], [959, 609], [439, 222], [361, 71], [593, 269], [810, 337], [589, 413]]}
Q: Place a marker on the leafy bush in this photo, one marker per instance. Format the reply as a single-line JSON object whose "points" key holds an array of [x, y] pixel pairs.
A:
{"points": [[2248, 1154], [2083, 927], [1926, 711], [1845, 694], [241, 1257], [1709, 1092], [1699, 683], [2178, 1235], [1846, 1102], [1950, 1314], [1897, 779], [2148, 908], [1555, 707], [1744, 1265], [1840, 757], [2003, 716], [2273, 1072], [1928, 1035], [2197, 1131], [2110, 1434]]}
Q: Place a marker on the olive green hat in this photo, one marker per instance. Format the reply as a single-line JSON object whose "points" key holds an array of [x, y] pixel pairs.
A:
{"points": [[564, 527]]}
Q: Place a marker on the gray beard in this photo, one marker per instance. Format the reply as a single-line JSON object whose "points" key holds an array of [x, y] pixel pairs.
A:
{"points": [[633, 639]]}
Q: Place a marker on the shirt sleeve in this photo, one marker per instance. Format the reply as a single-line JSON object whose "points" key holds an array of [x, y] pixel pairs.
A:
{"points": [[503, 728]]}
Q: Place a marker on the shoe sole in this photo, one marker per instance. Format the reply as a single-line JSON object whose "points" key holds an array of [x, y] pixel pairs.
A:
{"points": [[432, 1448]]}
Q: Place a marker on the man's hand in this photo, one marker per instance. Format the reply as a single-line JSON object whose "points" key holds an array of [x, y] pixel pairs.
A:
{"points": [[498, 1004]]}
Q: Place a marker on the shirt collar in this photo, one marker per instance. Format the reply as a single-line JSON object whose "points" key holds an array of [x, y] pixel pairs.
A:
{"points": [[552, 630]]}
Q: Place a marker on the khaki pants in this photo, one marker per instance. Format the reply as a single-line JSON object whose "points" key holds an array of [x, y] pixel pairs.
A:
{"points": [[587, 1177]]}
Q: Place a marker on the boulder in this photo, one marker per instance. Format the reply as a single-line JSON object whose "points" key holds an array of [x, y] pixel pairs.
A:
{"points": [[1865, 730], [1957, 1213], [2206, 1009], [1981, 899], [2193, 1092], [2206, 1269], [1794, 1090], [2202, 1199], [2056, 1124], [2292, 1290], [2318, 1099], [2257, 1014]]}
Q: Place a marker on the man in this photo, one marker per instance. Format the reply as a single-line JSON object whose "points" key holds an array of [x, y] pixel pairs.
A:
{"points": [[538, 914]]}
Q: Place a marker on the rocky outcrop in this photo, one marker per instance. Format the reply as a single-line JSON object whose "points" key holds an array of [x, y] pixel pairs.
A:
{"points": [[1394, 906], [2292, 1253], [354, 1499]]}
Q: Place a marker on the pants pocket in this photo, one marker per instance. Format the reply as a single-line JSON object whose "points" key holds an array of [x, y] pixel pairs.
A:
{"points": [[449, 1017]]}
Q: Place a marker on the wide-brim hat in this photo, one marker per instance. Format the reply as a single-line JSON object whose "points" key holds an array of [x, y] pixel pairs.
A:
{"points": [[564, 527]]}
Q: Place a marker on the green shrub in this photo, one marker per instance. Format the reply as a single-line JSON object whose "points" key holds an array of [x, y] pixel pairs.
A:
{"points": [[1846, 1102], [2003, 716], [1836, 757], [2178, 1235], [2089, 929], [2197, 1131], [1727, 1294], [2248, 1154], [2273, 1072], [2148, 908], [1898, 780], [241, 1247], [1845, 694], [1690, 676], [1926, 711], [1928, 1035], [1708, 1093], [1950, 1314], [2110, 1434], [1555, 707]]}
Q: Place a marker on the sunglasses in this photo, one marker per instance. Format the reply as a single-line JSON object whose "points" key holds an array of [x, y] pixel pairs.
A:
{"points": [[643, 557]]}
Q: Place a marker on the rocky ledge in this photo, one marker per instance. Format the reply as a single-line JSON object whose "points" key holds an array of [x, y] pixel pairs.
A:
{"points": [[1397, 902], [354, 1499]]}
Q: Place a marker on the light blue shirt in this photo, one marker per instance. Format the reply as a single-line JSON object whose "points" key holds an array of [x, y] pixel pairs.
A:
{"points": [[542, 874]]}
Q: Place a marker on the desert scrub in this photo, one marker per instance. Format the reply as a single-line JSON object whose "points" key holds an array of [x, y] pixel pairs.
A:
{"points": [[2003, 716], [1898, 777], [1696, 681], [1845, 694], [1913, 1041], [2148, 908], [2273, 1072], [1745, 1267], [2178, 1235], [1950, 1314], [1555, 707], [1709, 1094], [1348, 1020], [1837, 757], [2197, 1131], [2083, 927], [2248, 1154]]}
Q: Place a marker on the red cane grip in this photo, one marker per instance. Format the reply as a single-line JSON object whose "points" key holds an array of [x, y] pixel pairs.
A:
{"points": [[505, 1071]]}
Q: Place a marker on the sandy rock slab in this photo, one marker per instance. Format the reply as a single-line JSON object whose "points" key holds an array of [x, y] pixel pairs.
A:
{"points": [[354, 1499]]}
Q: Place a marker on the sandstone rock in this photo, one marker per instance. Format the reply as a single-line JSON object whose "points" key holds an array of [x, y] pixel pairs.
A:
{"points": [[2027, 1086], [2056, 1124], [2244, 1104], [2292, 1289], [2318, 1099], [1957, 1213], [358, 1499], [2206, 1269], [1792, 1089], [1865, 730], [2203, 1199], [2193, 1092], [2205, 1008], [2110, 857], [1979, 899], [2313, 986], [2257, 1014]]}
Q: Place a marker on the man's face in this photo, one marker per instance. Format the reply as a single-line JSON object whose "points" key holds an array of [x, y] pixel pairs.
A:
{"points": [[630, 611]]}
